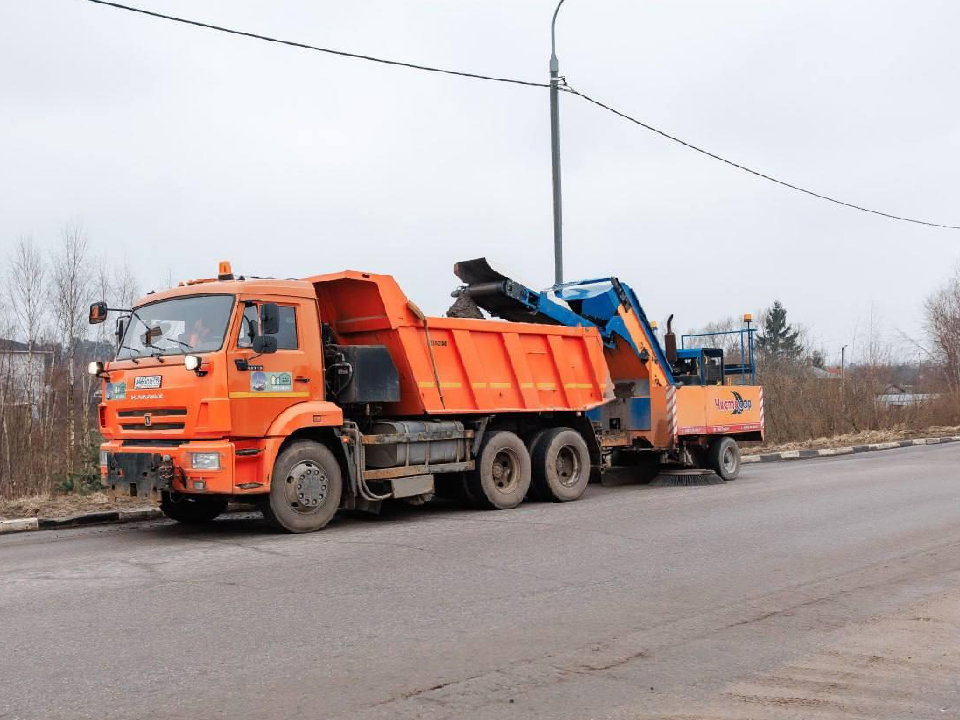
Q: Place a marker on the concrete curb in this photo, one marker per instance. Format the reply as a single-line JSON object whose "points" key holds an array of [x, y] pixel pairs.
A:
{"points": [[831, 452], [18, 525], [104, 517]]}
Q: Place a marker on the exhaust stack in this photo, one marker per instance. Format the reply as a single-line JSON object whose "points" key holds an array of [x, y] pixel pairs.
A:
{"points": [[670, 342]]}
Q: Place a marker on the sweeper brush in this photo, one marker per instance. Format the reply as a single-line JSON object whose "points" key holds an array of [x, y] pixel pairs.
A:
{"points": [[686, 477]]}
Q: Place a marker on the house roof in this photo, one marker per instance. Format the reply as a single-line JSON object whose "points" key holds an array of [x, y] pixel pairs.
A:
{"points": [[6, 344]]}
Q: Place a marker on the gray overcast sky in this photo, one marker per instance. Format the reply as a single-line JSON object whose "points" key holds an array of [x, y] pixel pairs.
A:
{"points": [[178, 147]]}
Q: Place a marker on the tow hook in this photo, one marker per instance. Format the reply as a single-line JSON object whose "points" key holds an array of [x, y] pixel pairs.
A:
{"points": [[165, 472]]}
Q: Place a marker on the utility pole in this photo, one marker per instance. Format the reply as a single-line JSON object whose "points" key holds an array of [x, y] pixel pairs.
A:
{"points": [[843, 352], [555, 151]]}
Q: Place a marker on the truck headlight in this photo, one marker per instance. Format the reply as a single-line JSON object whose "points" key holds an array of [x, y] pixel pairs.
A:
{"points": [[205, 460], [95, 368], [191, 362], [104, 458]]}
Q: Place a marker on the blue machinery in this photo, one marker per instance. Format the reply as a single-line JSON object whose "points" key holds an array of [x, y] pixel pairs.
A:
{"points": [[588, 303], [592, 303], [746, 367]]}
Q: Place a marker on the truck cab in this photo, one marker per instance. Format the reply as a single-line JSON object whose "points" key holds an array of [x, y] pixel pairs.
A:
{"points": [[201, 384], [699, 366]]}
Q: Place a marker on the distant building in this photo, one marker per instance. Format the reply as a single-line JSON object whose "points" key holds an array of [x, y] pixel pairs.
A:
{"points": [[24, 374], [903, 396]]}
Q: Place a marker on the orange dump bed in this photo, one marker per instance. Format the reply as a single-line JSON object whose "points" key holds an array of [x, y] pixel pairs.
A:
{"points": [[476, 366]]}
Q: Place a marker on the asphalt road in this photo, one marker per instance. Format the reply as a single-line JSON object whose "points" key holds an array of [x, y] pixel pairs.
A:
{"points": [[809, 589]]}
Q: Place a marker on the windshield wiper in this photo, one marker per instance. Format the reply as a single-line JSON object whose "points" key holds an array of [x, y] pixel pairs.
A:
{"points": [[159, 351], [132, 357]]}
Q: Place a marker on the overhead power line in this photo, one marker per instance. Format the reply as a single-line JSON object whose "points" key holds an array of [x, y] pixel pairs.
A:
{"points": [[514, 81], [757, 173], [304, 46]]}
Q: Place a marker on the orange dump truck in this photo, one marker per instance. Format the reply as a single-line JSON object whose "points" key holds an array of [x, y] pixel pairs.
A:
{"points": [[335, 391]]}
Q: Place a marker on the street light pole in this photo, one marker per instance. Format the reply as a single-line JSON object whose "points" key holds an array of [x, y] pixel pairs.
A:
{"points": [[555, 151]]}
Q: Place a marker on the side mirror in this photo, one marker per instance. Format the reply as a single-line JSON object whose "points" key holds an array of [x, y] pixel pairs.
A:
{"points": [[98, 313], [269, 319], [264, 344], [121, 328]]}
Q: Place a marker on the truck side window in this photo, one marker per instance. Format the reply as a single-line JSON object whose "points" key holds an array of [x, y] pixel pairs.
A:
{"points": [[286, 336], [249, 326]]}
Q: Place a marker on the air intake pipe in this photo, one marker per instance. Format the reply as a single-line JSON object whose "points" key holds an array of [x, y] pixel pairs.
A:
{"points": [[670, 342]]}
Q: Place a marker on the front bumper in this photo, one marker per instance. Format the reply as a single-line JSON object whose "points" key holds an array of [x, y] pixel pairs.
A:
{"points": [[147, 471]]}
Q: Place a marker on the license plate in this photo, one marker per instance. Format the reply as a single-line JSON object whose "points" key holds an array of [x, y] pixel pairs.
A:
{"points": [[146, 382]]}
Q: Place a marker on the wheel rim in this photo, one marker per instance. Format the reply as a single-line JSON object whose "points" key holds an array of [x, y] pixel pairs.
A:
{"points": [[506, 471], [306, 487], [729, 460], [568, 466]]}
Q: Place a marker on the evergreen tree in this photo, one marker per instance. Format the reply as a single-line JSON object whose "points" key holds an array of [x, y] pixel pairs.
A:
{"points": [[817, 359], [779, 339]]}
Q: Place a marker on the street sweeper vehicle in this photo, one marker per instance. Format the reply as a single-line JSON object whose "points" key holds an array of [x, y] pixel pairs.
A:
{"points": [[336, 391]]}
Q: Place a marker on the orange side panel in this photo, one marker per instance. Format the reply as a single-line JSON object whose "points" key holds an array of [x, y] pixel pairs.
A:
{"points": [[458, 366], [719, 410]]}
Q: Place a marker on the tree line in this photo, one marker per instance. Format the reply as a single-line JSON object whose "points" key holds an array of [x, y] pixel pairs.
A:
{"points": [[48, 402], [807, 398]]}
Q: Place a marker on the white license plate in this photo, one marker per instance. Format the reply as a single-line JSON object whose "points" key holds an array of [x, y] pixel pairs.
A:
{"points": [[146, 382]]}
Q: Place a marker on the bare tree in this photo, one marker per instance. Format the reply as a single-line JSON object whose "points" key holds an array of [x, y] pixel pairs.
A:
{"points": [[126, 287], [69, 293], [6, 470], [730, 344], [26, 289], [942, 311]]}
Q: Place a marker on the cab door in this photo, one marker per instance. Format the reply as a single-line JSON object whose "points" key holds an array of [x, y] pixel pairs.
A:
{"points": [[263, 386]]}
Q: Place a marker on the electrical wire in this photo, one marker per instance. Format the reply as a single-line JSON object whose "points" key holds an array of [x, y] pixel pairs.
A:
{"points": [[304, 46], [567, 89], [514, 81]]}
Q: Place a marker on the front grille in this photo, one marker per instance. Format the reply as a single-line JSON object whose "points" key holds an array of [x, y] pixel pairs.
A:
{"points": [[152, 426], [148, 418], [152, 443], [140, 412]]}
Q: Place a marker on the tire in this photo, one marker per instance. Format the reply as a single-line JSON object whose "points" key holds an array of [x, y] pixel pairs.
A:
{"points": [[645, 466], [305, 488], [464, 493], [191, 510], [561, 465], [502, 475], [723, 458], [534, 492]]}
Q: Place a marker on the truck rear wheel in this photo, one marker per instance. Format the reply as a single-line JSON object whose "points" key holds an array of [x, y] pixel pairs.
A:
{"points": [[502, 475], [305, 488], [723, 457], [190, 510], [561, 465]]}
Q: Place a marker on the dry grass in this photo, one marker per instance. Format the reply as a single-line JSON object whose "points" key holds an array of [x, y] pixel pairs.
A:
{"points": [[66, 505], [860, 438]]}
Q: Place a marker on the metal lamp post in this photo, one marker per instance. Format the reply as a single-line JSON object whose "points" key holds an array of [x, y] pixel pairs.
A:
{"points": [[555, 151]]}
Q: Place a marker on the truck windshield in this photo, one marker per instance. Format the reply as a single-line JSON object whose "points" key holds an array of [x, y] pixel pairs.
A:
{"points": [[192, 324]]}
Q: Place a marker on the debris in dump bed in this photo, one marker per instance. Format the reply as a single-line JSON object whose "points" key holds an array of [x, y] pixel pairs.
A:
{"points": [[464, 306]]}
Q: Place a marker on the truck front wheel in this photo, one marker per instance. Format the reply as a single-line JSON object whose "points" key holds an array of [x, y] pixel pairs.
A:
{"points": [[305, 488], [502, 475], [723, 457], [190, 510]]}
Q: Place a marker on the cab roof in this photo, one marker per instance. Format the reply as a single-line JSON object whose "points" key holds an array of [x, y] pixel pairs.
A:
{"points": [[236, 286]]}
